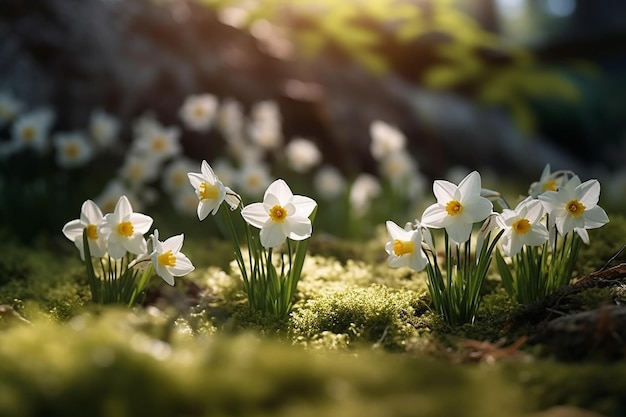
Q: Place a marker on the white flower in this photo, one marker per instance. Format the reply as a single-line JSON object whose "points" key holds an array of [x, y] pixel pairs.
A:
{"points": [[90, 218], [266, 111], [329, 183], [267, 135], [159, 143], [30, 130], [10, 107], [254, 178], [145, 125], [522, 227], [103, 128], [124, 230], [281, 215], [139, 169], [575, 207], [302, 155], [549, 181], [230, 119], [112, 192], [457, 208], [405, 247], [386, 139], [175, 175], [185, 201], [364, 189], [209, 189], [399, 168], [198, 112], [72, 149], [167, 259]]}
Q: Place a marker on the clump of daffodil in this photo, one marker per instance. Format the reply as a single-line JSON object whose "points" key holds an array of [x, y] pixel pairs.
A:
{"points": [[454, 287], [544, 233], [118, 258], [284, 221]]}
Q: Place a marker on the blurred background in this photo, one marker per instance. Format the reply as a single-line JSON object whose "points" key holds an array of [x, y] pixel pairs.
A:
{"points": [[90, 89]]}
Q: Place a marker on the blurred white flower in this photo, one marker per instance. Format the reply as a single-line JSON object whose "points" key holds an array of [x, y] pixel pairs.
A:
{"points": [[112, 192], [185, 201], [103, 128], [225, 171], [138, 170], [329, 183], [159, 143], [365, 188], [175, 174], [302, 155], [266, 111], [230, 119], [398, 167], [30, 130], [253, 179], [145, 124], [386, 139], [198, 112], [267, 135], [549, 181], [72, 149], [10, 107]]}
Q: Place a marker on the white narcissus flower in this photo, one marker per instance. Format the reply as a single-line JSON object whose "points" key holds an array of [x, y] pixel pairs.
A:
{"points": [[386, 139], [198, 112], [139, 169], [167, 259], [522, 227], [549, 181], [457, 208], [281, 215], [405, 247], [90, 219], [329, 183], [159, 143], [124, 230], [30, 130], [254, 178], [575, 207], [365, 188], [209, 189], [103, 128], [175, 175], [230, 119], [72, 149], [10, 107], [302, 155]]}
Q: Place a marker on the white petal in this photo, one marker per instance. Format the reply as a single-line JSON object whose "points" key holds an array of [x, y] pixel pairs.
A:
{"points": [[534, 211], [417, 260], [281, 190], [444, 191], [584, 235], [183, 266], [536, 236], [398, 261], [595, 217], [115, 249], [476, 209], [135, 244], [470, 185], [589, 193], [141, 222], [195, 179], [207, 172], [515, 245], [304, 205], [123, 208], [297, 228], [73, 229], [255, 214], [435, 216], [395, 231], [272, 235], [97, 247], [163, 272], [90, 213], [459, 231], [174, 243], [204, 208]]}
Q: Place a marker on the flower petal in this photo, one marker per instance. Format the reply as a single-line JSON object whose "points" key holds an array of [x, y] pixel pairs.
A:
{"points": [[459, 231], [163, 272], [304, 205], [174, 243], [73, 229], [595, 217], [135, 244], [297, 227], [444, 191], [115, 249], [207, 172], [470, 185], [195, 179], [141, 222], [90, 213], [589, 193], [123, 208], [255, 214], [281, 190], [395, 231], [272, 235], [435, 216], [476, 210], [183, 266]]}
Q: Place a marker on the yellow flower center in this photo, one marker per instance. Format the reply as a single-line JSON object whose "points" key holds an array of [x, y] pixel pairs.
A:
{"points": [[278, 214], [575, 208], [158, 144], [72, 150], [253, 181], [28, 133], [92, 231], [199, 112], [208, 191], [167, 259], [454, 207], [125, 229], [521, 226], [135, 172], [179, 178], [549, 185], [403, 247]]}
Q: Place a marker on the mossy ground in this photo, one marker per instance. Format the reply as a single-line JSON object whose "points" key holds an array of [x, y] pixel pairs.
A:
{"points": [[361, 340]]}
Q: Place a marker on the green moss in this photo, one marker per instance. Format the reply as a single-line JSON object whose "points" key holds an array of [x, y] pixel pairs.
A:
{"points": [[105, 365]]}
